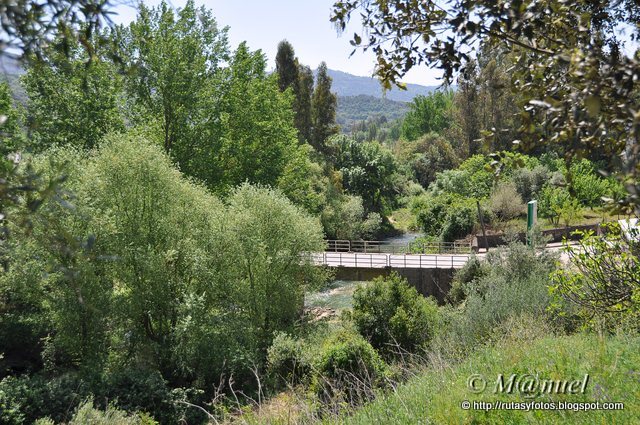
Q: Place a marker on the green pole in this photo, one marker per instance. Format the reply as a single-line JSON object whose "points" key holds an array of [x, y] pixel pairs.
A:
{"points": [[532, 219]]}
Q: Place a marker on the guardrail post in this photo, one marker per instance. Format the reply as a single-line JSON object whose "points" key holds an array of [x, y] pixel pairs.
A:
{"points": [[436, 261], [356, 256]]}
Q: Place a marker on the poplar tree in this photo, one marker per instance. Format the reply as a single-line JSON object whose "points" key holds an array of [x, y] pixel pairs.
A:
{"points": [[323, 110], [286, 66]]}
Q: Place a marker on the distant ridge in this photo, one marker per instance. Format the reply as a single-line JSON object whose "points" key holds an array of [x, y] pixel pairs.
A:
{"points": [[345, 84], [361, 107]]}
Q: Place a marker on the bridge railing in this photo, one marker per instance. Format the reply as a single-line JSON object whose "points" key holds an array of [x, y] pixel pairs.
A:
{"points": [[375, 260], [382, 247]]}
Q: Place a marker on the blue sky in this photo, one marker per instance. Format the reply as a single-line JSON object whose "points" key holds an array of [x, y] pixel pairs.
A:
{"points": [[305, 23]]}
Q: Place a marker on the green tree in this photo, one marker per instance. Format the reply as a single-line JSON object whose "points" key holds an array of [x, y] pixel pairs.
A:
{"points": [[286, 66], [428, 114], [304, 122], [258, 135], [173, 67], [291, 74], [323, 110], [427, 156], [10, 131], [71, 101], [367, 171]]}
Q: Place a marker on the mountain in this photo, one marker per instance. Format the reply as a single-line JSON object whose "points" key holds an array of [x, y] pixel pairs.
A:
{"points": [[10, 71], [361, 107], [345, 84]]}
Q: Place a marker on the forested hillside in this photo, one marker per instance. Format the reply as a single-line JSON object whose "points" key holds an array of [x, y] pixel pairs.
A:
{"points": [[346, 84], [358, 108]]}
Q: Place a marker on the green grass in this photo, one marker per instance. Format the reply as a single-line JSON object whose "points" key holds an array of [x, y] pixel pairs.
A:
{"points": [[404, 220], [435, 396]]}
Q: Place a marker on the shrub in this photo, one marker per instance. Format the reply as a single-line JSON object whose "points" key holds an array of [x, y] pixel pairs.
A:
{"points": [[26, 398], [446, 216], [516, 282], [603, 282], [393, 317], [551, 201], [471, 272], [344, 218], [529, 182], [347, 368], [288, 362], [88, 414], [460, 221], [505, 201]]}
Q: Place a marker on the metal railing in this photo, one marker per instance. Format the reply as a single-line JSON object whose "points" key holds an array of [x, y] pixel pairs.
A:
{"points": [[413, 247], [383, 260]]}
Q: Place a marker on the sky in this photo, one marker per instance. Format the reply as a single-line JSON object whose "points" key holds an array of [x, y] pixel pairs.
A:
{"points": [[304, 23]]}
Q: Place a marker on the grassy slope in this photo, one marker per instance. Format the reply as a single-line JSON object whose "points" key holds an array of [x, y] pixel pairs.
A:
{"points": [[435, 396]]}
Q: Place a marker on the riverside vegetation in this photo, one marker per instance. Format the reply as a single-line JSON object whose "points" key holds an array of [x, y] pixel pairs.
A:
{"points": [[158, 187]]}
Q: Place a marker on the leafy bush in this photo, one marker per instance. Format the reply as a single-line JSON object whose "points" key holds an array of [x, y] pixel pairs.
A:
{"points": [[515, 281], [471, 272], [345, 218], [88, 414], [505, 202], [288, 361], [393, 316], [347, 368], [589, 188], [460, 221], [27, 398], [551, 202], [529, 182], [603, 282], [446, 216]]}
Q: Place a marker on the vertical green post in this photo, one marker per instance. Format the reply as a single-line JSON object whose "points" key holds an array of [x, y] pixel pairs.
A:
{"points": [[532, 219]]}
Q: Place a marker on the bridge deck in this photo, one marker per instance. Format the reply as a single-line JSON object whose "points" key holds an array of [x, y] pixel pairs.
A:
{"points": [[379, 261]]}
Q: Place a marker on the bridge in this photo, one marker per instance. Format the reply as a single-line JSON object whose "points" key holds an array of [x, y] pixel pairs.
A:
{"points": [[428, 266], [381, 255]]}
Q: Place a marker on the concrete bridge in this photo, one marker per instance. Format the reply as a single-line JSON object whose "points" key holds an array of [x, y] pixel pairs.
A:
{"points": [[429, 267]]}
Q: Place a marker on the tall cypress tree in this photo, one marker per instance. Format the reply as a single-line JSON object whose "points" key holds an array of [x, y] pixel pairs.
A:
{"points": [[303, 103], [286, 66], [323, 110]]}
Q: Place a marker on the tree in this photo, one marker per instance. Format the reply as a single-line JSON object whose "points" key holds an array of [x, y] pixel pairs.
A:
{"points": [[10, 131], [257, 136], [286, 66], [367, 171], [484, 104], [71, 101], [172, 63], [578, 87], [427, 114], [303, 118], [291, 74], [427, 156], [323, 110]]}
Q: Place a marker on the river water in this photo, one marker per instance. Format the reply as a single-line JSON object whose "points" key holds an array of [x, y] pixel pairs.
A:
{"points": [[338, 295]]}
